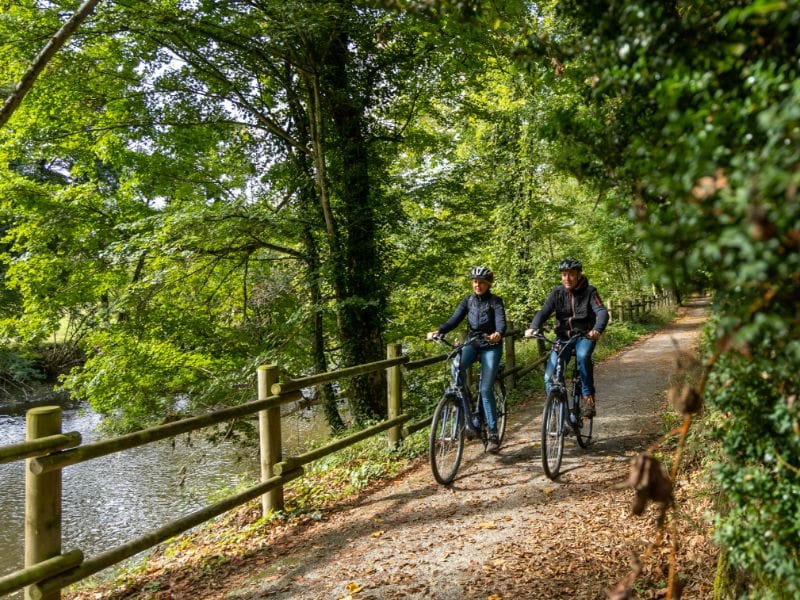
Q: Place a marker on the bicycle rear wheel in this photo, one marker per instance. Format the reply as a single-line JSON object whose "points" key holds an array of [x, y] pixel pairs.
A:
{"points": [[446, 439], [583, 430], [552, 434], [582, 426], [502, 407]]}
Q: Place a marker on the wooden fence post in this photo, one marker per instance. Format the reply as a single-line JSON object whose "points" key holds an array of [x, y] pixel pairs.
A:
{"points": [[42, 498], [394, 394], [511, 359], [270, 443]]}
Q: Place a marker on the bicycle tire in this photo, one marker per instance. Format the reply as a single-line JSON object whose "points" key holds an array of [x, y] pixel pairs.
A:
{"points": [[583, 431], [582, 426], [552, 434], [502, 407], [446, 439]]}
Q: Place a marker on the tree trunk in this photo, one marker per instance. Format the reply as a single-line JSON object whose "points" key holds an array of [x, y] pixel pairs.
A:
{"points": [[314, 212], [358, 264]]}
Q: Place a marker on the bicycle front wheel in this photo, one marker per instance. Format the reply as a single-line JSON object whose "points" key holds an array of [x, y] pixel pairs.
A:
{"points": [[552, 434], [446, 439], [502, 407]]}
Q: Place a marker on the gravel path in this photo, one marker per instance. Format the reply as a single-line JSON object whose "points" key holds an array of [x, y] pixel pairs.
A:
{"points": [[503, 530]]}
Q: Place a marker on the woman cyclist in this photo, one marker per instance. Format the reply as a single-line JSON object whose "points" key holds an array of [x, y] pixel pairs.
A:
{"points": [[486, 315]]}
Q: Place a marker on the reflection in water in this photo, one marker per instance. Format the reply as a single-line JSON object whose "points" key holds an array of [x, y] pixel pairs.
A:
{"points": [[113, 499]]}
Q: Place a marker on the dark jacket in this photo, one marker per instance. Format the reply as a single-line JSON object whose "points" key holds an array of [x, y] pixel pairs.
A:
{"points": [[578, 311], [485, 314]]}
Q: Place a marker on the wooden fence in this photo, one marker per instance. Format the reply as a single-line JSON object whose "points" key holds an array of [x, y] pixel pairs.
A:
{"points": [[631, 309], [47, 451]]}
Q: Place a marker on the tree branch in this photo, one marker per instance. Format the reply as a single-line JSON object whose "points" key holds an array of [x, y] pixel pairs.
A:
{"points": [[38, 65]]}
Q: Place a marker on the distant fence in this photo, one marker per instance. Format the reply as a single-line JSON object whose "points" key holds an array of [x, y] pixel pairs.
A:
{"points": [[631, 309], [47, 451]]}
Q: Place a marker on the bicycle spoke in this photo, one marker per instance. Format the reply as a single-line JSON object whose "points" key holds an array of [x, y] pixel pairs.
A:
{"points": [[502, 408], [583, 425], [446, 439], [583, 431], [552, 435]]}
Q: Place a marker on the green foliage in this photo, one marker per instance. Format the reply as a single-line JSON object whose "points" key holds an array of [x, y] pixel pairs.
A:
{"points": [[344, 473], [17, 370], [759, 521], [690, 111]]}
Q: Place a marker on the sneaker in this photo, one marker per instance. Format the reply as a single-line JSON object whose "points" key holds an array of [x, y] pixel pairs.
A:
{"points": [[589, 410], [493, 445]]}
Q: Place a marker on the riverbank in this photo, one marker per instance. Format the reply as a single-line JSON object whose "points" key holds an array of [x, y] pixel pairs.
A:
{"points": [[502, 530]]}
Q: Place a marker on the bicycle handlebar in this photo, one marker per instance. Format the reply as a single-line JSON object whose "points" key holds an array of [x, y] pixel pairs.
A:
{"points": [[458, 345], [455, 348], [553, 340]]}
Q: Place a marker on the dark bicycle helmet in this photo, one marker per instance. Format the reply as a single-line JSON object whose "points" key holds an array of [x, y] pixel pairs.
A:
{"points": [[570, 264], [481, 273]]}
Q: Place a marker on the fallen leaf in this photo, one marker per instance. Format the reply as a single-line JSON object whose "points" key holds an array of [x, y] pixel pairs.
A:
{"points": [[353, 588], [377, 534], [486, 525]]}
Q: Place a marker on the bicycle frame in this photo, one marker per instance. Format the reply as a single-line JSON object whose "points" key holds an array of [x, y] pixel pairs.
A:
{"points": [[454, 418], [558, 379], [561, 406], [460, 388]]}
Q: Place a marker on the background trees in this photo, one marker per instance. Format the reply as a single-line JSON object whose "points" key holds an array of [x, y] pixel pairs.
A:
{"points": [[689, 111], [192, 188]]}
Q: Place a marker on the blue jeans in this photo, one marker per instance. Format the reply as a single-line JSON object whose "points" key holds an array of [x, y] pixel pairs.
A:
{"points": [[490, 362], [583, 354]]}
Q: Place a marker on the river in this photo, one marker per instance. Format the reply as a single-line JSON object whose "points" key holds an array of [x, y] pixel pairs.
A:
{"points": [[111, 500]]}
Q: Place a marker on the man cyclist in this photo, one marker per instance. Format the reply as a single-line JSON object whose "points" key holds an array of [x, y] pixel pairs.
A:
{"points": [[485, 314], [579, 310]]}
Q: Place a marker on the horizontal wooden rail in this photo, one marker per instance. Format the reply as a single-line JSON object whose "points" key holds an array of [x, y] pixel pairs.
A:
{"points": [[47, 568], [154, 434], [40, 446], [293, 462], [148, 540], [521, 371], [417, 425], [423, 362], [524, 371], [296, 384]]}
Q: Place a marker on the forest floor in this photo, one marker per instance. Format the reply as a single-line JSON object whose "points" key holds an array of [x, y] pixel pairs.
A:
{"points": [[502, 531]]}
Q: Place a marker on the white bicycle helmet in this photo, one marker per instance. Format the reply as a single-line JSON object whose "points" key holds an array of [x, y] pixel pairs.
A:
{"points": [[481, 273], [570, 264]]}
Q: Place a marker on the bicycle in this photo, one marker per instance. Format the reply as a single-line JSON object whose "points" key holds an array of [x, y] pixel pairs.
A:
{"points": [[456, 417], [558, 419]]}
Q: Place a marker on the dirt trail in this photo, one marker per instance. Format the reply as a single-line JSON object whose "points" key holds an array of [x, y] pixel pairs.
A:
{"points": [[503, 530]]}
